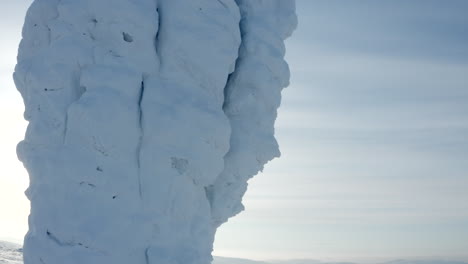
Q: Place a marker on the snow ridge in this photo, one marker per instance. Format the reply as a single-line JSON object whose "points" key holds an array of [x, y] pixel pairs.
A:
{"points": [[146, 119]]}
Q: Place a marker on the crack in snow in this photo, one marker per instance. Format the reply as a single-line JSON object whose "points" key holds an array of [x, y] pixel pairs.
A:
{"points": [[140, 140], [156, 38], [72, 243], [223, 4], [147, 256], [59, 242]]}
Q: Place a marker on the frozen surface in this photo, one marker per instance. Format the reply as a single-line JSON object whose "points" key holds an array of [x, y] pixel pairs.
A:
{"points": [[146, 119], [12, 253]]}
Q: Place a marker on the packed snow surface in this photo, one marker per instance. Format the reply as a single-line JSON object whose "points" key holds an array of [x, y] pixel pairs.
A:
{"points": [[146, 119], [12, 254]]}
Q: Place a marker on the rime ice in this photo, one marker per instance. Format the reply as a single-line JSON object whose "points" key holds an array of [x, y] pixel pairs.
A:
{"points": [[146, 119]]}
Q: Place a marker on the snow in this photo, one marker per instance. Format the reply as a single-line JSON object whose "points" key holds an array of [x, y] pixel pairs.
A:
{"points": [[146, 119], [251, 101], [11, 253]]}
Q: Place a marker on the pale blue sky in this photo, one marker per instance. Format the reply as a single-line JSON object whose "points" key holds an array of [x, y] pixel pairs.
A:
{"points": [[373, 132]]}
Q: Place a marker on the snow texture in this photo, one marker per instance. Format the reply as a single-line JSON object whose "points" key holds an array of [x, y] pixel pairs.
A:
{"points": [[146, 119], [11, 254]]}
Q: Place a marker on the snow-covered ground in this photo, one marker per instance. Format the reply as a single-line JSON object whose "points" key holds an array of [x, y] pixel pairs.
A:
{"points": [[11, 253]]}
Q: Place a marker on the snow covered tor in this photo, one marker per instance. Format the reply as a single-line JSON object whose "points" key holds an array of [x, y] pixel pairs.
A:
{"points": [[146, 119]]}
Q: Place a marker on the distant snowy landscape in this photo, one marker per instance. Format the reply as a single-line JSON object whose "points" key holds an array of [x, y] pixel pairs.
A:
{"points": [[11, 253]]}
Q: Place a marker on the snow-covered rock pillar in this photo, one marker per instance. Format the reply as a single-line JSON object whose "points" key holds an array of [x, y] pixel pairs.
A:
{"points": [[146, 119]]}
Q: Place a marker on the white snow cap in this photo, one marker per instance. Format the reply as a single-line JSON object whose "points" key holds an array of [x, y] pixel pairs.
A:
{"points": [[146, 119]]}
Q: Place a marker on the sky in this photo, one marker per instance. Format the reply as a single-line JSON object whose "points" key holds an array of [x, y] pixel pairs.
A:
{"points": [[373, 132]]}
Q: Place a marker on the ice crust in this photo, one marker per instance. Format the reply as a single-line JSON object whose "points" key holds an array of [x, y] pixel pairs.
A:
{"points": [[146, 119]]}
